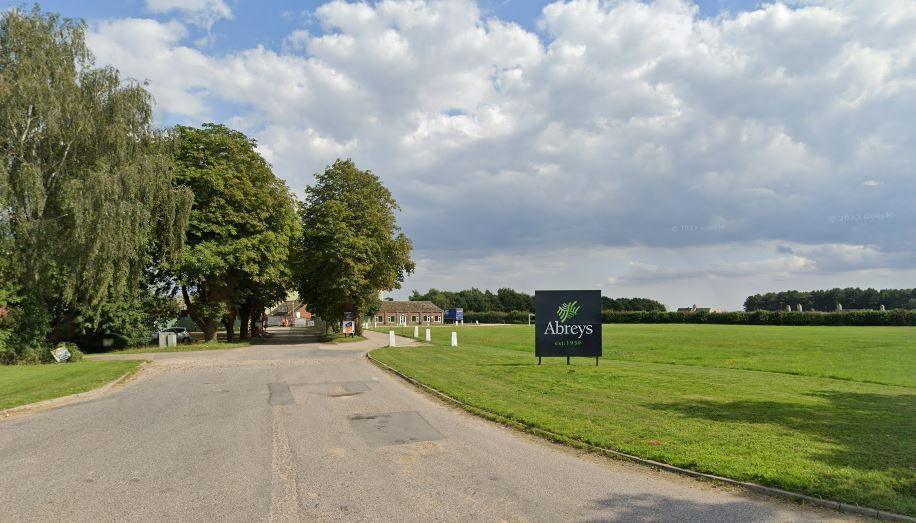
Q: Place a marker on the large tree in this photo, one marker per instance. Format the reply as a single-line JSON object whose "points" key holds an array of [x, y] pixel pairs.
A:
{"points": [[85, 179], [351, 246], [240, 230]]}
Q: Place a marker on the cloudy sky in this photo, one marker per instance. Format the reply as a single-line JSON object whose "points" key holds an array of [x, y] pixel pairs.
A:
{"points": [[694, 152]]}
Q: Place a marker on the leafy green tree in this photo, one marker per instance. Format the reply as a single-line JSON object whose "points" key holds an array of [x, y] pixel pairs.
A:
{"points": [[631, 304], [85, 179], [442, 299], [240, 229], [9, 295], [351, 246], [827, 300], [475, 300], [510, 300], [128, 321]]}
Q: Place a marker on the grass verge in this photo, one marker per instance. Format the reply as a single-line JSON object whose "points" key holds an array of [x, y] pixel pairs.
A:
{"points": [[24, 384], [192, 347], [341, 338], [783, 426]]}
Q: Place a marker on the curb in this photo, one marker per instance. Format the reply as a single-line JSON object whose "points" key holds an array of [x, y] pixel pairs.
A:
{"points": [[559, 438]]}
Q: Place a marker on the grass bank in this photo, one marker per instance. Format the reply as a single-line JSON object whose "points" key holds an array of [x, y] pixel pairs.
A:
{"points": [[24, 384], [826, 411]]}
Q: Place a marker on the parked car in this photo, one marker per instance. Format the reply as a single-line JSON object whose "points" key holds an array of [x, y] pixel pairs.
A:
{"points": [[180, 332]]}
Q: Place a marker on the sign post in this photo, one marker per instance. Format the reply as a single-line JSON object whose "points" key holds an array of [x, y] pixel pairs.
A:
{"points": [[348, 324], [567, 324], [61, 354]]}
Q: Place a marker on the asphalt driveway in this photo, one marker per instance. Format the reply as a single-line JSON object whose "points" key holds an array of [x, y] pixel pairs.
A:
{"points": [[307, 431]]}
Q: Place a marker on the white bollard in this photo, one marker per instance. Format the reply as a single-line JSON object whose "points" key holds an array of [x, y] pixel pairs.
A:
{"points": [[454, 339], [171, 340], [391, 338], [428, 337], [163, 340], [416, 331]]}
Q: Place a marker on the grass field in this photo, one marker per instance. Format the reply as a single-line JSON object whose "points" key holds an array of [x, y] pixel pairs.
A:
{"points": [[23, 384], [827, 411]]}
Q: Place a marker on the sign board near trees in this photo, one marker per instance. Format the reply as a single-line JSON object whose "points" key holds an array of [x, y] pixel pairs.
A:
{"points": [[567, 323]]}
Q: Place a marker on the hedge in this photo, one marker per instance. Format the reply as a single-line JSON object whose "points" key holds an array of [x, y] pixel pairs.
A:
{"points": [[496, 317], [899, 317]]}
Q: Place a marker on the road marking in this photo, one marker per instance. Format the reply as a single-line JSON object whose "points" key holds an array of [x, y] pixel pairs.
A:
{"points": [[284, 490]]}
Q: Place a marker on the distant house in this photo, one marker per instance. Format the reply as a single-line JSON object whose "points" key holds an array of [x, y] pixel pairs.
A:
{"points": [[694, 308], [289, 313], [408, 313]]}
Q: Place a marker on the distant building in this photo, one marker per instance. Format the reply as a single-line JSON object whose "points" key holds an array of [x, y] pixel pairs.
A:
{"points": [[408, 313], [289, 313], [694, 308]]}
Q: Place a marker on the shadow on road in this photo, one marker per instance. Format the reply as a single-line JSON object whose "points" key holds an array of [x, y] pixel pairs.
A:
{"points": [[289, 336]]}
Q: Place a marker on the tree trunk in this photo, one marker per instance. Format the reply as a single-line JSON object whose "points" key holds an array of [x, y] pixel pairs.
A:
{"points": [[209, 328], [358, 320], [229, 323], [244, 317], [257, 315]]}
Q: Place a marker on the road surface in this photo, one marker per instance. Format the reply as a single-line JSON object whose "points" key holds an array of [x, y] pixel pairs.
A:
{"points": [[312, 432]]}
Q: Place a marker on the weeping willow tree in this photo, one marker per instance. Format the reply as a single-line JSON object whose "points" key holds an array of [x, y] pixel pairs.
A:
{"points": [[85, 179]]}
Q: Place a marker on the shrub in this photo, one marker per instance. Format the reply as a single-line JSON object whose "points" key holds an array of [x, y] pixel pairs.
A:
{"points": [[485, 317]]}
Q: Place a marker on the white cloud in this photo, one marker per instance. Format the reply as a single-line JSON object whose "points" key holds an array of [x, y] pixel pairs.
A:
{"points": [[145, 49], [632, 125], [203, 13]]}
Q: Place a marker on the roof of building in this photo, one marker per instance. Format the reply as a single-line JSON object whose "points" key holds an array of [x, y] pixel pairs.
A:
{"points": [[698, 309], [288, 307], [409, 306]]}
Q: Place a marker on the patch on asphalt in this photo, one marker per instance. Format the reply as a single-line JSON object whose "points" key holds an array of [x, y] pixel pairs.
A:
{"points": [[393, 428], [280, 394], [348, 388]]}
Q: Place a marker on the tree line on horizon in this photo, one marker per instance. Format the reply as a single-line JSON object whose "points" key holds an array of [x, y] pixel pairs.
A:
{"points": [[110, 226], [827, 300], [510, 300]]}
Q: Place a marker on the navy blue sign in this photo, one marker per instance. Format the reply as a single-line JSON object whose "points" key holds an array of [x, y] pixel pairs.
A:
{"points": [[567, 323]]}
